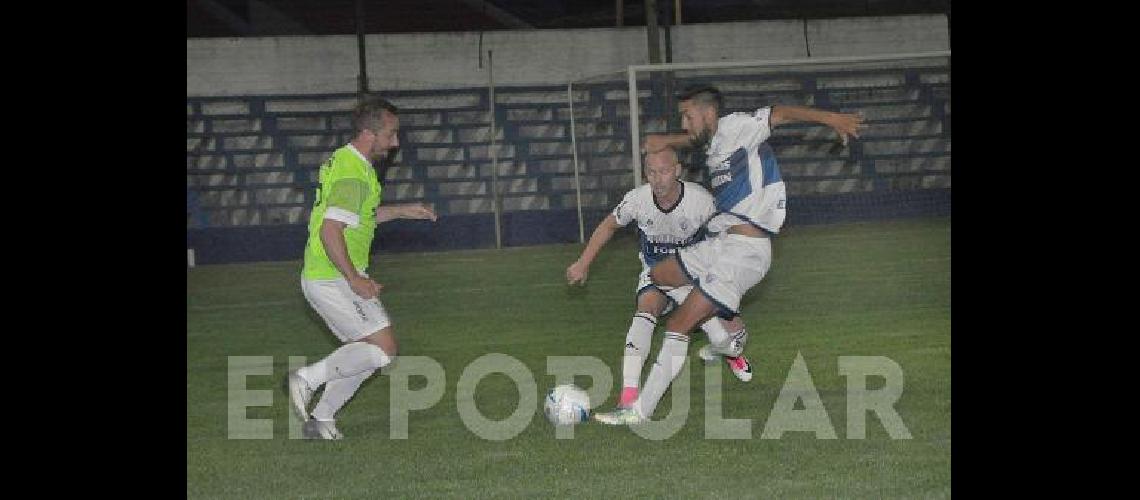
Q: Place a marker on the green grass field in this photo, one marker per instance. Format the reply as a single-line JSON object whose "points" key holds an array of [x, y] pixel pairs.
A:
{"points": [[862, 289]]}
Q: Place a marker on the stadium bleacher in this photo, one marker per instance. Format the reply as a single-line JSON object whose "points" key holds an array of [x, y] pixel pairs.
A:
{"points": [[252, 160]]}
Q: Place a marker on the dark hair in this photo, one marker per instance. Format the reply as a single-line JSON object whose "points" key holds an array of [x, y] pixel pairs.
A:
{"points": [[703, 94], [369, 112]]}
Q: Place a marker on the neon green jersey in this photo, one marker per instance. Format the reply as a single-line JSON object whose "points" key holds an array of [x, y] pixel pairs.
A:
{"points": [[349, 192]]}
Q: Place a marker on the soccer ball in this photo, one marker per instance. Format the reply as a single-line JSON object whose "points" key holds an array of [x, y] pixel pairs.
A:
{"points": [[566, 405]]}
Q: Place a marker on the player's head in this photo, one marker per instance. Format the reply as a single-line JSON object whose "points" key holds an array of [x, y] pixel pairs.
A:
{"points": [[700, 109], [662, 170], [374, 122]]}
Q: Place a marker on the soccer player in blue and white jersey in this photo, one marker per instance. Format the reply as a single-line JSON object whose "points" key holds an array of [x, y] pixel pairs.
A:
{"points": [[751, 205], [670, 214]]}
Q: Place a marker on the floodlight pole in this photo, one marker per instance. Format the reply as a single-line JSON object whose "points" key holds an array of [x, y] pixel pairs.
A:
{"points": [[495, 205], [634, 127], [363, 77], [653, 31], [574, 148]]}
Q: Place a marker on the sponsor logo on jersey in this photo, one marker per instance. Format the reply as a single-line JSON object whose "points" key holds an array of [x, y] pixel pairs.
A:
{"points": [[721, 179]]}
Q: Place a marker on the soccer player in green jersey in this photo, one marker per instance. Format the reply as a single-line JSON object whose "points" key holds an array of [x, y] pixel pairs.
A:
{"points": [[333, 280]]}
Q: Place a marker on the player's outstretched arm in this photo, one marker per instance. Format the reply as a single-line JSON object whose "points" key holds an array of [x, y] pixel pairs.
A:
{"points": [[656, 142], [576, 273], [844, 124], [386, 213]]}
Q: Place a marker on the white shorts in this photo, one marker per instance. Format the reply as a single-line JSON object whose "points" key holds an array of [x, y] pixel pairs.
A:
{"points": [[675, 295], [724, 267], [349, 316]]}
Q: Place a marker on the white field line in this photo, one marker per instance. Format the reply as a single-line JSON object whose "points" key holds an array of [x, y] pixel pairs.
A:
{"points": [[301, 300]]}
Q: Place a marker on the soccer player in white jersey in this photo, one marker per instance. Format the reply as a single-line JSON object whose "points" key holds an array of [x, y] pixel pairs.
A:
{"points": [[670, 214], [751, 203]]}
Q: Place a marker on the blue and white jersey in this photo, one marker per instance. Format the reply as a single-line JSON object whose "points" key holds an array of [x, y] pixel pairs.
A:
{"points": [[662, 232], [744, 176]]}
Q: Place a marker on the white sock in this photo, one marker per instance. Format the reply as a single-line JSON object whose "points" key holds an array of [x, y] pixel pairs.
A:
{"points": [[337, 393], [736, 343], [347, 361], [718, 336], [674, 352], [637, 343]]}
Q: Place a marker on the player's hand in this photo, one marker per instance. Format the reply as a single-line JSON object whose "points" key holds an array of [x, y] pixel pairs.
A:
{"points": [[364, 287], [654, 143], [576, 273], [419, 211], [846, 124]]}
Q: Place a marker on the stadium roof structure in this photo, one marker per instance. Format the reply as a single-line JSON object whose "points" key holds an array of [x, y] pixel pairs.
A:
{"points": [[251, 18]]}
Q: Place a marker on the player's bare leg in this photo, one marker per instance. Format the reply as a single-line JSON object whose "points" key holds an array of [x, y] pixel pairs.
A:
{"points": [[385, 339], [734, 324], [668, 273]]}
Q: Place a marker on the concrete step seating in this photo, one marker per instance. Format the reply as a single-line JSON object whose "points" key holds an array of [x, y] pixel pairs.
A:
{"points": [[254, 160]]}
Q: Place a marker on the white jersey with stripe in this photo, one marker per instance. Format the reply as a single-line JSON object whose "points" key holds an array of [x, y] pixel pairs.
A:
{"points": [[661, 232], [745, 178]]}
